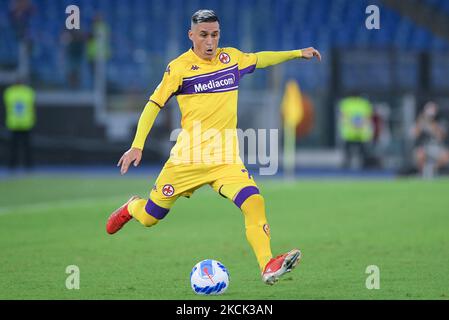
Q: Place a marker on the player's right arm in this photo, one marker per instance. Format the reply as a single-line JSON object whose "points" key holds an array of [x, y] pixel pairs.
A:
{"points": [[134, 154], [165, 90]]}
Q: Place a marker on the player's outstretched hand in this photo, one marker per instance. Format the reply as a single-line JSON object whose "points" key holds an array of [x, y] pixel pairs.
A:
{"points": [[309, 53], [130, 156]]}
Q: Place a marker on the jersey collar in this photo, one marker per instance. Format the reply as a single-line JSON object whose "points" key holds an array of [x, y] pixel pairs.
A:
{"points": [[213, 61]]}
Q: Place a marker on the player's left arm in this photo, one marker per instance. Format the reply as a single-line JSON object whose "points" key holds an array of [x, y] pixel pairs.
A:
{"points": [[270, 58]]}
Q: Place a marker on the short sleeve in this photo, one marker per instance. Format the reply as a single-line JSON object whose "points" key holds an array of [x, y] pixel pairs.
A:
{"points": [[247, 62], [168, 87]]}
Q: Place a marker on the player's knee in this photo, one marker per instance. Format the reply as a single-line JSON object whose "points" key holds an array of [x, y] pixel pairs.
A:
{"points": [[254, 201], [247, 194], [155, 213], [253, 208]]}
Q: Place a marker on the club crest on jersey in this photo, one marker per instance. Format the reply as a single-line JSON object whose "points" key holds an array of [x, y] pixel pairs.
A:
{"points": [[168, 190], [224, 58]]}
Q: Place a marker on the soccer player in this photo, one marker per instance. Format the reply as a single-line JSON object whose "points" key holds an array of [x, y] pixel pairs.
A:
{"points": [[205, 80]]}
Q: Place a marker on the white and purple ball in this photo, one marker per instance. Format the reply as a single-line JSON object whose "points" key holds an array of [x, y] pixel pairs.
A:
{"points": [[209, 277]]}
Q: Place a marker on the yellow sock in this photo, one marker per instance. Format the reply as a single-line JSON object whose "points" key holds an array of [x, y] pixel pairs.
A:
{"points": [[136, 208], [257, 229]]}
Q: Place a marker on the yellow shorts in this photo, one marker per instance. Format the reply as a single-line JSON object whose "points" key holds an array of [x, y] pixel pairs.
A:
{"points": [[177, 180]]}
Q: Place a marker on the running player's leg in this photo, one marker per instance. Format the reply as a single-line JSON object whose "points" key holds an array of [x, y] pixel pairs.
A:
{"points": [[164, 194], [244, 193], [239, 186], [172, 182], [146, 211], [252, 204]]}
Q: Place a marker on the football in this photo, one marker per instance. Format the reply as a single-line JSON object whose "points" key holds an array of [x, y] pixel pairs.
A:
{"points": [[209, 277]]}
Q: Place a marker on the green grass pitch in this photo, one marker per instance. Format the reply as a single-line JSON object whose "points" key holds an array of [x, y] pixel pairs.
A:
{"points": [[49, 222]]}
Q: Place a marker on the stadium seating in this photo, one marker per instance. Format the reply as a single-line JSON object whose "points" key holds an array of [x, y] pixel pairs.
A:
{"points": [[144, 31], [440, 5]]}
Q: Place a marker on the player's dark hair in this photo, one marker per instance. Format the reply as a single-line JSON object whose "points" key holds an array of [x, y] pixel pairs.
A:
{"points": [[204, 15]]}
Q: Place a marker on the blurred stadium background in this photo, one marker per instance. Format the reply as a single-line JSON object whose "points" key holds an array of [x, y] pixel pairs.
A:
{"points": [[92, 84], [87, 115]]}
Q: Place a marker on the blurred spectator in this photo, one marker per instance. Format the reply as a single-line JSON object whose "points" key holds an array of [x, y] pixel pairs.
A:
{"points": [[356, 130], [377, 125], [98, 42], [20, 120], [20, 14], [74, 44], [430, 151]]}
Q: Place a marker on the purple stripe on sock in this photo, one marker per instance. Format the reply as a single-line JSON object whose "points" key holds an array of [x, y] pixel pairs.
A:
{"points": [[154, 210], [244, 194]]}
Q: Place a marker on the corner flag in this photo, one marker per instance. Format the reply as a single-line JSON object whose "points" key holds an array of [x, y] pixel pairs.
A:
{"points": [[292, 114]]}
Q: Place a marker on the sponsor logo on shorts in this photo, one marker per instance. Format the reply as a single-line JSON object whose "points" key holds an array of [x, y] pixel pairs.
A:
{"points": [[168, 190]]}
